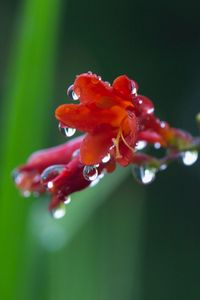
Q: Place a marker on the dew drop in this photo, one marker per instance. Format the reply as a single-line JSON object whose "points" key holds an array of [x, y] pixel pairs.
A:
{"points": [[134, 89], [50, 173], [90, 173], [26, 193], [189, 157], [66, 131], [108, 83], [96, 181], [99, 78], [50, 185], [162, 124], [140, 145], [75, 153], [150, 110], [71, 93], [106, 158], [59, 212], [163, 167], [143, 174], [67, 200], [89, 73], [157, 145], [17, 176]]}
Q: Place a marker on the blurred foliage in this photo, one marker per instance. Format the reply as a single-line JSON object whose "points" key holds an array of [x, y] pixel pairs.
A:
{"points": [[141, 243]]}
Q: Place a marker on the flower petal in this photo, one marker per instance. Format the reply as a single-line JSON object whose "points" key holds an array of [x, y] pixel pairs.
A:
{"points": [[95, 147], [125, 86], [88, 117]]}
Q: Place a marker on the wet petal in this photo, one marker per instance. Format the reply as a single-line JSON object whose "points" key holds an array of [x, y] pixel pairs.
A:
{"points": [[151, 137], [95, 147], [125, 86], [91, 88], [88, 117]]}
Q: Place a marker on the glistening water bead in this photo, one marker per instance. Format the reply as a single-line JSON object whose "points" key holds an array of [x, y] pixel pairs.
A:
{"points": [[59, 212], [143, 174], [189, 157], [140, 145], [50, 173], [90, 173], [106, 158], [66, 131], [71, 93]]}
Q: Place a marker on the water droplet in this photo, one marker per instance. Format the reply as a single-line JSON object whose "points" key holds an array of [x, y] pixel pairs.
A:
{"points": [[75, 153], [17, 176], [143, 105], [106, 158], [162, 124], [49, 174], [26, 193], [66, 131], [50, 185], [67, 200], [99, 77], [140, 145], [96, 181], [157, 145], [150, 110], [189, 157], [134, 89], [71, 93], [108, 83], [163, 167], [143, 174], [89, 73], [90, 173], [58, 212]]}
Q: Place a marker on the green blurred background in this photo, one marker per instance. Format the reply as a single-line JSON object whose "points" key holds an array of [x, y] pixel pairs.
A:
{"points": [[118, 240]]}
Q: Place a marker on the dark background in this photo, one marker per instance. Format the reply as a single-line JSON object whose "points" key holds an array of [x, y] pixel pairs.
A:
{"points": [[141, 243]]}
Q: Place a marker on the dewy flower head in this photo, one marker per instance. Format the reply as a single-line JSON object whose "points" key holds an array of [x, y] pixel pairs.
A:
{"points": [[106, 113], [119, 124]]}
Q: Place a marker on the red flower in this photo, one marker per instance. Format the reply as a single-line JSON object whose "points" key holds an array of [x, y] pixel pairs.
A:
{"points": [[58, 171], [116, 121], [106, 113]]}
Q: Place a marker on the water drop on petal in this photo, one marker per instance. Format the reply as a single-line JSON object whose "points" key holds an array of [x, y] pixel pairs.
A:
{"points": [[162, 124], [66, 131], [106, 158], [150, 110], [134, 89], [67, 200], [50, 173], [143, 174], [108, 83], [90, 173], [75, 153], [157, 145], [140, 145], [189, 157], [71, 93], [50, 185], [58, 212], [96, 181]]}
